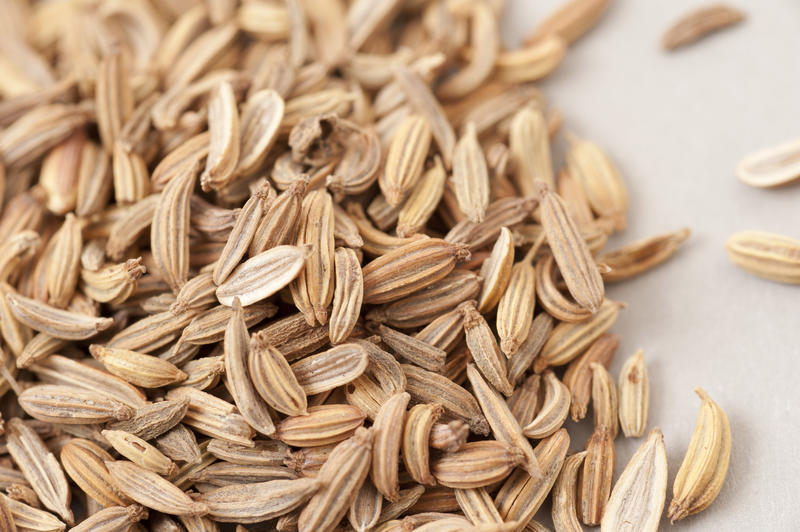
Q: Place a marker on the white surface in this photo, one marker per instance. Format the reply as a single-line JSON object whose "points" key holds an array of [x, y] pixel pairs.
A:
{"points": [[676, 124]]}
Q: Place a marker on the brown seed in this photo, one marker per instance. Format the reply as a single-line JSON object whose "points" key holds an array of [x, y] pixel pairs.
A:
{"points": [[348, 295], [273, 378], [596, 476], [412, 349], [405, 158], [578, 377], [388, 428], [138, 369], [484, 349], [321, 425], [477, 464], [416, 437], [700, 23], [151, 490]]}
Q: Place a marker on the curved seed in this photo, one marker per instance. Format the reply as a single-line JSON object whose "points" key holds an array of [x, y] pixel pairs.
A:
{"points": [[634, 396], [554, 409]]}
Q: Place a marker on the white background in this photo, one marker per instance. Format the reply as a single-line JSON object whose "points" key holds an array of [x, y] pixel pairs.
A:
{"points": [[676, 124]]}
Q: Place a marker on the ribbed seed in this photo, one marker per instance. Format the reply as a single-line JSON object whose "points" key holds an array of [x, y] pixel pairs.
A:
{"points": [[260, 119], [273, 379], [429, 387], [142, 370], [515, 309], [140, 452], [69, 405], [504, 426], [604, 399], [6, 518], [571, 20], [496, 271], [634, 396], [541, 327], [209, 327], [444, 332], [312, 290], [703, 470], [599, 178], [770, 167], [414, 350], [637, 500], [640, 256], [28, 518], [700, 23], [348, 295], [449, 437], [405, 159], [169, 233], [40, 467], [55, 322], [554, 409], [341, 477], [225, 474], [179, 443], [64, 264], [84, 462], [564, 512], [267, 452], [768, 255], [236, 345], [321, 425], [568, 340], [578, 377], [278, 225], [223, 126], [212, 416], [596, 477], [422, 201], [113, 97], [471, 176], [416, 437], [571, 253], [112, 283], [521, 495], [330, 369], [529, 146], [477, 464], [388, 429], [130, 176], [151, 490], [263, 275], [15, 334], [484, 349], [152, 420], [504, 212], [554, 302], [366, 508], [259, 501], [524, 404]]}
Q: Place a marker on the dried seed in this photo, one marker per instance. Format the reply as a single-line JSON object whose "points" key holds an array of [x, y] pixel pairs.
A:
{"points": [[444, 332], [634, 396], [64, 265], [637, 499], [504, 426], [597, 474], [541, 327], [416, 436], [322, 424], [260, 119], [212, 416], [260, 501], [505, 212], [564, 512], [572, 20], [330, 369], [209, 327], [341, 477], [554, 409], [55, 322], [554, 302], [366, 508], [578, 377], [471, 176], [84, 462], [405, 159], [152, 420], [642, 255], [29, 518], [515, 309], [529, 146], [700, 23], [263, 275], [138, 369], [273, 378], [766, 255], [477, 505], [449, 437], [703, 470], [414, 350], [604, 399], [524, 404], [496, 271], [140, 452], [348, 295], [40, 467], [223, 126], [521, 495], [422, 200], [477, 464], [151, 490], [484, 349], [770, 167], [388, 429], [69, 405], [179, 443]]}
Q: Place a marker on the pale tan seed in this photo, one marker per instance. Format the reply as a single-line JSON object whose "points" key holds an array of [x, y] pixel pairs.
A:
{"points": [[516, 306], [29, 518], [345, 230], [505, 212], [236, 346], [312, 290], [113, 519], [342, 475], [640, 256], [575, 198], [150, 333], [64, 264], [348, 295], [169, 233], [209, 326], [112, 283], [265, 452], [541, 327], [188, 154], [554, 410], [15, 334], [84, 462], [388, 429], [55, 322], [179, 443], [113, 97], [572, 20], [373, 241], [605, 402], [273, 378], [422, 201], [524, 403], [151, 490], [416, 437], [600, 180], [449, 437], [578, 377], [637, 499], [139, 369], [471, 175], [366, 508], [634, 396], [404, 159], [259, 501], [154, 419], [564, 512], [568, 340], [703, 470], [140, 452], [225, 474], [553, 300], [504, 426], [322, 425], [444, 332], [223, 126], [261, 116], [70, 405], [571, 253], [130, 177], [699, 24], [478, 507], [768, 255], [521, 495], [212, 416], [6, 518], [279, 222], [484, 349], [532, 62], [263, 275], [529, 148], [477, 464], [770, 167], [412, 349], [40, 467], [496, 271], [330, 369], [594, 486]]}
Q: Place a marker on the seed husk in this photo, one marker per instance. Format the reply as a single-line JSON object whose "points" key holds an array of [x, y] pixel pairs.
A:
{"points": [[766, 255], [273, 378], [330, 369], [484, 349], [554, 410], [263, 275], [640, 256], [634, 396], [564, 512], [771, 167], [405, 159], [699, 24], [596, 476], [703, 470], [604, 399]]}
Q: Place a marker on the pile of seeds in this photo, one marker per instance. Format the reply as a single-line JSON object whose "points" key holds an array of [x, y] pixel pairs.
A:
{"points": [[307, 266]]}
